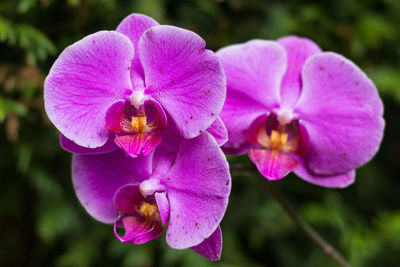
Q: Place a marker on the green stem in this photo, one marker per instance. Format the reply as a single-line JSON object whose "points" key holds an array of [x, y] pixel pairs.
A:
{"points": [[327, 248]]}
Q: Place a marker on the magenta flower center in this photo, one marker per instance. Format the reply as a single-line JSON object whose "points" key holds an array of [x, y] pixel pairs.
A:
{"points": [[137, 125], [281, 139], [139, 216], [277, 134]]}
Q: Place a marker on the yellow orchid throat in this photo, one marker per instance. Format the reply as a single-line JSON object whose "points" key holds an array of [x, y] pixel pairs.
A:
{"points": [[149, 211], [277, 140]]}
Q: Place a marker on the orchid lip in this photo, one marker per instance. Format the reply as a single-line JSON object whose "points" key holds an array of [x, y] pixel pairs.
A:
{"points": [[138, 215], [278, 141], [280, 144], [123, 240]]}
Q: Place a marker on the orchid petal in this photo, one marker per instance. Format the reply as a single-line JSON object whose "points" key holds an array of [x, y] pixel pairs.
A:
{"points": [[133, 27], [238, 114], [198, 186], [116, 120], [273, 164], [164, 159], [218, 131], [96, 178], [71, 147], [186, 79], [342, 113], [138, 230], [298, 50], [163, 206], [155, 115], [254, 71], [333, 181], [237, 149], [127, 197], [211, 247], [171, 136], [84, 81], [254, 130]]}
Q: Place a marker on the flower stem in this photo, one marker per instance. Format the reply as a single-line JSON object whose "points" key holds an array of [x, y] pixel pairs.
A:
{"points": [[327, 248]]}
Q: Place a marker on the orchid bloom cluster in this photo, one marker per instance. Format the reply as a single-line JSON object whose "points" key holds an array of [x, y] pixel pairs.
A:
{"points": [[295, 108], [139, 109], [143, 111]]}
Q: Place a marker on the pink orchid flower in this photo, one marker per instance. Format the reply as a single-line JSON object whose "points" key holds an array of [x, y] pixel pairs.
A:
{"points": [[295, 108], [126, 88], [185, 190]]}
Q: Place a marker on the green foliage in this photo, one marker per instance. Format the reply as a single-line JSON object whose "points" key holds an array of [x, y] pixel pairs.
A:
{"points": [[42, 222], [36, 44]]}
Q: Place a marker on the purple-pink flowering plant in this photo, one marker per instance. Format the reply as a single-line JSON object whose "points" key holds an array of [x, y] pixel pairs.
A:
{"points": [[186, 189], [295, 108], [119, 88], [155, 92]]}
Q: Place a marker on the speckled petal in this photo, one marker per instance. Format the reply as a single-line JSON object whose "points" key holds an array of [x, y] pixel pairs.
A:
{"points": [[134, 26], [84, 82], [186, 79], [210, 248], [96, 178], [218, 131], [341, 110], [198, 186], [254, 72], [164, 159]]}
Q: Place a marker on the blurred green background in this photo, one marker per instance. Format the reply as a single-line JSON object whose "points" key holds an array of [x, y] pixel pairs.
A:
{"points": [[42, 222]]}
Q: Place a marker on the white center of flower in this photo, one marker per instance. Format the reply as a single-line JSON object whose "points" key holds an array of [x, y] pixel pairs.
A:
{"points": [[150, 186], [285, 116], [138, 98]]}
